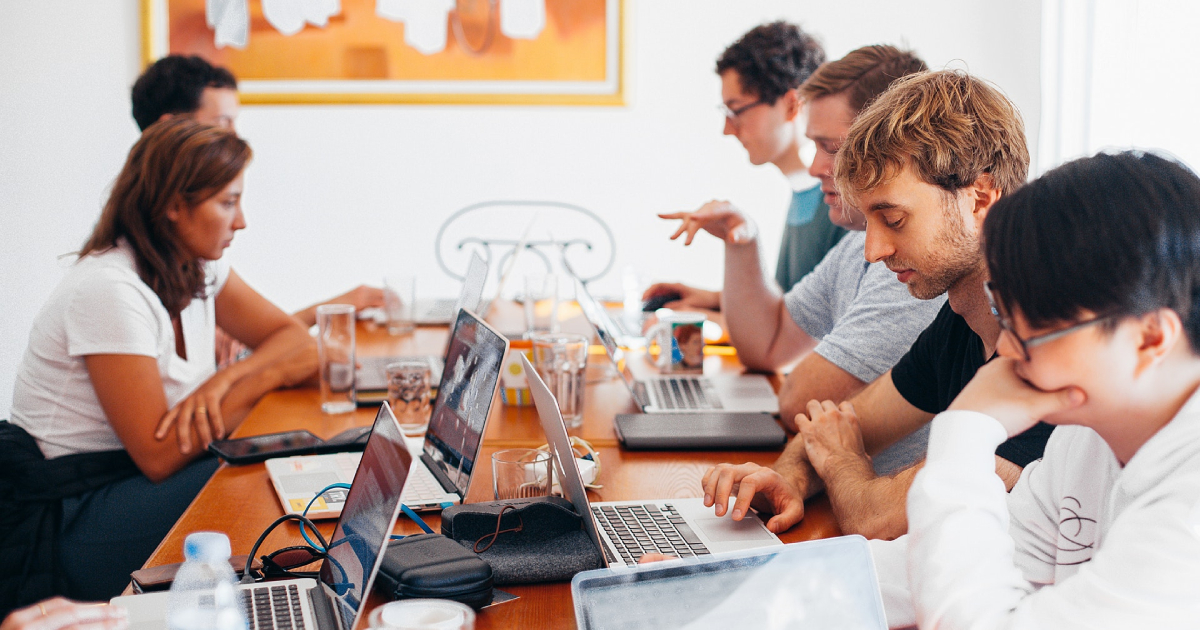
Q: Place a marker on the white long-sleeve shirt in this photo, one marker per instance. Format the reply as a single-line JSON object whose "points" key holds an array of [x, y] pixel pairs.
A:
{"points": [[1080, 542]]}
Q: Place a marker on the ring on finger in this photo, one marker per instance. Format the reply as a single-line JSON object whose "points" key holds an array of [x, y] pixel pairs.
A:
{"points": [[42, 607], [203, 410]]}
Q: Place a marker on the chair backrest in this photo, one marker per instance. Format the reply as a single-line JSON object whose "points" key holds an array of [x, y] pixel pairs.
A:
{"points": [[553, 237]]}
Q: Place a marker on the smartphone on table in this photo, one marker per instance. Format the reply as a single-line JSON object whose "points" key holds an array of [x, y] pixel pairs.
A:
{"points": [[257, 448]]}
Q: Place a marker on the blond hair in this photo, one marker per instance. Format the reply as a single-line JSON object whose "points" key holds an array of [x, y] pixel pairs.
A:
{"points": [[950, 127]]}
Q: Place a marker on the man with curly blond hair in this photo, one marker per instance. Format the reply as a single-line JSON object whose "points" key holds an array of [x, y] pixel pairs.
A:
{"points": [[924, 163]]}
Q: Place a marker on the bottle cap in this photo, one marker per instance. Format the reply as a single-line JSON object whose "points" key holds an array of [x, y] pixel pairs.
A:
{"points": [[206, 546]]}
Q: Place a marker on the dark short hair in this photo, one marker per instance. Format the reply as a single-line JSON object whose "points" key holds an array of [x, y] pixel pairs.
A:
{"points": [[173, 85], [1114, 234], [772, 59]]}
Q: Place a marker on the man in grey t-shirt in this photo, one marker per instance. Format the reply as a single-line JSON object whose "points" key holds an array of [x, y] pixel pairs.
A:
{"points": [[848, 321]]}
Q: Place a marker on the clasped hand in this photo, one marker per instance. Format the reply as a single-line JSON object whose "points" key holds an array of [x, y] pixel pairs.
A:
{"points": [[831, 436], [200, 410]]}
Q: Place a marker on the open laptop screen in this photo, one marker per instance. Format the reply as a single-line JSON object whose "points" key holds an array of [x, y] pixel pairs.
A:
{"points": [[366, 523], [464, 398], [606, 331]]}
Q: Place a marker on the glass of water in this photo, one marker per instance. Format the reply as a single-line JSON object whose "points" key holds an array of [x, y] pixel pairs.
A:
{"points": [[561, 359], [335, 351], [408, 382], [400, 303]]}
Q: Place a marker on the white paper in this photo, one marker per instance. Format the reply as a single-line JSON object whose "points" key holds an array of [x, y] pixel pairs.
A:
{"points": [[425, 21], [318, 12], [522, 19], [290, 16], [231, 21], [285, 15]]}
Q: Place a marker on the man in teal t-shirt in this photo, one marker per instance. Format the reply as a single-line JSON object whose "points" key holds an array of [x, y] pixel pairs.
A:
{"points": [[760, 74], [807, 236]]}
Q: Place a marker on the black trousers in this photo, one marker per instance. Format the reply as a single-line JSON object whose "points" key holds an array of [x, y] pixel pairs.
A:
{"points": [[108, 533]]}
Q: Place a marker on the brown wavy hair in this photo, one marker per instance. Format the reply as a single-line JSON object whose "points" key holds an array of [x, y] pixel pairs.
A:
{"points": [[177, 162], [949, 126], [862, 74]]}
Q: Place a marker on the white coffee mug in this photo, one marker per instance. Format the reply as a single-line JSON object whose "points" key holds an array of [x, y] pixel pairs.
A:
{"points": [[680, 339]]}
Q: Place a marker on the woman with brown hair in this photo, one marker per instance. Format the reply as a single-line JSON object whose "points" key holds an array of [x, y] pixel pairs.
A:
{"points": [[118, 393]]}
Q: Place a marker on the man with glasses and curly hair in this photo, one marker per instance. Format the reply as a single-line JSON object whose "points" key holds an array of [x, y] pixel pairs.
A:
{"points": [[760, 75]]}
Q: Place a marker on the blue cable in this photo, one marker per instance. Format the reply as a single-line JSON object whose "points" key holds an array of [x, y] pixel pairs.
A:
{"points": [[407, 511]]}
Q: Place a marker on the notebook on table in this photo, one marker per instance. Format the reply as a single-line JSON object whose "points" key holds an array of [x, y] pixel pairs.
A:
{"points": [[442, 473], [683, 393], [370, 382], [335, 600], [625, 530], [827, 583]]}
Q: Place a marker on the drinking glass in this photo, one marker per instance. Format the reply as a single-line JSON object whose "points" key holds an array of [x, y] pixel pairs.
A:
{"points": [[520, 473], [408, 380], [335, 352], [561, 359], [540, 299], [400, 303]]}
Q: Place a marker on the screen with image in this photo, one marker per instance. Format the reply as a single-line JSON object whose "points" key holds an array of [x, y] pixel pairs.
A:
{"points": [[367, 518], [464, 398]]}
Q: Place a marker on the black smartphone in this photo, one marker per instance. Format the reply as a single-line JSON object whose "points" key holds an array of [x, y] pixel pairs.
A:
{"points": [[258, 448]]}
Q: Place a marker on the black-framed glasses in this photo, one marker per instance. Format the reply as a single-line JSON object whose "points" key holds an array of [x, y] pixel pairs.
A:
{"points": [[1006, 327], [733, 115], [285, 562]]}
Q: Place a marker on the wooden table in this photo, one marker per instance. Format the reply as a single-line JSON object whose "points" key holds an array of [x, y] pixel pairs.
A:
{"points": [[240, 501]]}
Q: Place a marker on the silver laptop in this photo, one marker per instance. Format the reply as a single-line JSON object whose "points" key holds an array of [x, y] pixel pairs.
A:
{"points": [[370, 380], [442, 474], [335, 601], [625, 530], [682, 393], [827, 583], [443, 310]]}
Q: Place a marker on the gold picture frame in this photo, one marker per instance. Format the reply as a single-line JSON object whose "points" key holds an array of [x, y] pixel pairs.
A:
{"points": [[579, 57]]}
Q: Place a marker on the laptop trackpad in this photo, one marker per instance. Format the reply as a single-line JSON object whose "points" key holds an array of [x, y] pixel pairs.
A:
{"points": [[725, 529]]}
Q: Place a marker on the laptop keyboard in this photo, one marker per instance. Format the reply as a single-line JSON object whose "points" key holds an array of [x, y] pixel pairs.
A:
{"points": [[421, 487], [685, 392], [269, 607], [640, 529]]}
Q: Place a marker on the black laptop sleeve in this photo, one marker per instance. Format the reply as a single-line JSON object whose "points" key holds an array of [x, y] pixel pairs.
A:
{"points": [[542, 539], [717, 430]]}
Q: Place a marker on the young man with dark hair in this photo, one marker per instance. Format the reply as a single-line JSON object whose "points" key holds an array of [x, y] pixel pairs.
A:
{"points": [[190, 86], [760, 75], [924, 162], [853, 319], [1094, 270]]}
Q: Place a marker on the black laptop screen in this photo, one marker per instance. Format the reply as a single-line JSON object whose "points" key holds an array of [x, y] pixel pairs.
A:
{"points": [[367, 518], [464, 398]]}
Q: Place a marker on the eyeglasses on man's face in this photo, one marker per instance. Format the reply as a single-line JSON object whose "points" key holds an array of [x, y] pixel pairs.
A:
{"points": [[1006, 327], [733, 115]]}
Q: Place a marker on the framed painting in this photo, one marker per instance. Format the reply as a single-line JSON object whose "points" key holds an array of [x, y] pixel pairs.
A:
{"points": [[520, 52]]}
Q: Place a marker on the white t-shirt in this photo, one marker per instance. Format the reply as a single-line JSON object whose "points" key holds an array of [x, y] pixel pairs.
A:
{"points": [[1080, 542], [103, 307]]}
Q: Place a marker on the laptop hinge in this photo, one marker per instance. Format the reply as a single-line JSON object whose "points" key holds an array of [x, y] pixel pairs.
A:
{"points": [[322, 608], [438, 474]]}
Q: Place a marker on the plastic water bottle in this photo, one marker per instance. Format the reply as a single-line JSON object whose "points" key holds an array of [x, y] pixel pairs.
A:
{"points": [[204, 595]]}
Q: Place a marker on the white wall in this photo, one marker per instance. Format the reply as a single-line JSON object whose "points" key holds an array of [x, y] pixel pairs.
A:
{"points": [[327, 178]]}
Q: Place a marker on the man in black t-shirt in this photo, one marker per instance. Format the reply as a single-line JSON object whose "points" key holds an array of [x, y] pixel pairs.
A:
{"points": [[924, 162]]}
